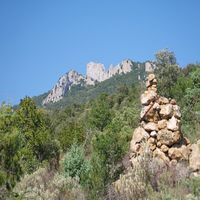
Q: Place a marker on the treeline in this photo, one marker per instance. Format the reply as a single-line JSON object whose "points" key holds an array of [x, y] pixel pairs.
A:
{"points": [[82, 148]]}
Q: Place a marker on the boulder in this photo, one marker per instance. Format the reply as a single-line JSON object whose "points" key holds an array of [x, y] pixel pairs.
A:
{"points": [[166, 111], [147, 97], [194, 161], [168, 137], [173, 124]]}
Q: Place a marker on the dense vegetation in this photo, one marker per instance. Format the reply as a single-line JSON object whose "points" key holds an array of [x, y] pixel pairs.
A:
{"points": [[78, 151]]}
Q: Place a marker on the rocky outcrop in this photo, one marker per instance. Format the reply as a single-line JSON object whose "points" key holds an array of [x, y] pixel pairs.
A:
{"points": [[95, 73], [63, 85], [160, 128]]}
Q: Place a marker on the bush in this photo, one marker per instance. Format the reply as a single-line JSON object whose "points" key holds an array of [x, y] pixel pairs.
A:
{"points": [[153, 180], [75, 164], [42, 185]]}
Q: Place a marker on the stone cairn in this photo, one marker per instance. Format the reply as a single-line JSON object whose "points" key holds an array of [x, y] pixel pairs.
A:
{"points": [[160, 128]]}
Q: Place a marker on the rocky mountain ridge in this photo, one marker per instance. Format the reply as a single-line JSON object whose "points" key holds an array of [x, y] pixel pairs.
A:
{"points": [[95, 73]]}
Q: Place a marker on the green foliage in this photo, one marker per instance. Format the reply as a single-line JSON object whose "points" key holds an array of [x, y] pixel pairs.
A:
{"points": [[6, 118], [194, 186], [69, 133], [191, 106], [179, 89], [75, 164], [26, 141], [195, 76], [10, 158], [167, 72], [100, 115]]}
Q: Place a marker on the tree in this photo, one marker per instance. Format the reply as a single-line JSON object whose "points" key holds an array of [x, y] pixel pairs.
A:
{"points": [[167, 71], [35, 134], [100, 115], [191, 108]]}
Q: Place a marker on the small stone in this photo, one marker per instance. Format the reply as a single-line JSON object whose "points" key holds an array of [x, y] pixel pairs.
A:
{"points": [[151, 140], [151, 77], [162, 124], [154, 81], [173, 101], [159, 154], [173, 124], [152, 147], [164, 148], [151, 126], [166, 111], [144, 111], [159, 144], [176, 111], [163, 101], [154, 89], [153, 134], [156, 106], [173, 162], [147, 97]]}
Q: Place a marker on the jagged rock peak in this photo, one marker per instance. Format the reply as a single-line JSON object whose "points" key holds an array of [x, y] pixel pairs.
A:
{"points": [[96, 71], [63, 85]]}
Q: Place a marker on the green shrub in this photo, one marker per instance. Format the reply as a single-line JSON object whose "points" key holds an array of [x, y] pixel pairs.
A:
{"points": [[75, 164]]}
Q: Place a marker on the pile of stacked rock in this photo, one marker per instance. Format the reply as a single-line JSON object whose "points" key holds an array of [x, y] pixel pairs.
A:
{"points": [[160, 127]]}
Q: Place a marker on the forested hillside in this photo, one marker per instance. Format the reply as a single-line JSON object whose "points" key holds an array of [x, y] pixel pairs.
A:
{"points": [[79, 148]]}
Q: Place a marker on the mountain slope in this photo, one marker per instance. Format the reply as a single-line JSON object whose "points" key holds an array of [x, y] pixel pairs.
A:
{"points": [[79, 90]]}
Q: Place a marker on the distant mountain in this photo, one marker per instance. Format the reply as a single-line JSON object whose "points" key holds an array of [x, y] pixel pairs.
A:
{"points": [[63, 85], [73, 87]]}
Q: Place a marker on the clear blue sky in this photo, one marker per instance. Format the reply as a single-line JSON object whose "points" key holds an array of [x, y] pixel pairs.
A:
{"points": [[42, 39]]}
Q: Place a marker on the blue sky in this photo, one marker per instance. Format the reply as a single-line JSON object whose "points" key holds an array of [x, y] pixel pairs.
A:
{"points": [[42, 39]]}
